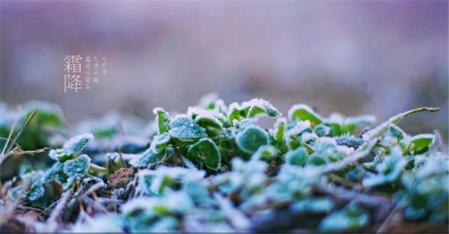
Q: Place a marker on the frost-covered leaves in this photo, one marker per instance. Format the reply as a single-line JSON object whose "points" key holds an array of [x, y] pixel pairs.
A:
{"points": [[41, 194], [72, 148], [77, 167], [157, 182], [250, 109], [148, 158], [212, 136], [69, 167], [156, 214], [297, 157], [258, 107], [389, 170], [352, 217], [215, 168], [426, 189]]}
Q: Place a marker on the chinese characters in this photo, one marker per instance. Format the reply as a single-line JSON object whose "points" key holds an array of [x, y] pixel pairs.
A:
{"points": [[80, 72]]}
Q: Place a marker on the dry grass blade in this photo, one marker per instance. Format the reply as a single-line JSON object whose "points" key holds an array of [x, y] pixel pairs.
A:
{"points": [[3, 156], [383, 228], [351, 195], [93, 189], [57, 212], [377, 131], [8, 146], [27, 121], [363, 152], [26, 152]]}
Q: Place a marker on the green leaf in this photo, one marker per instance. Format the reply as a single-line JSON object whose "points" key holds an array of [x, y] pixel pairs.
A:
{"points": [[160, 142], [396, 132], [313, 205], [389, 170], [205, 152], [148, 158], [421, 143], [61, 155], [316, 160], [72, 148], [265, 152], [234, 113], [208, 121], [304, 112], [36, 192], [115, 162], [297, 157], [78, 166], [41, 195], [351, 124], [184, 129], [55, 173], [259, 107], [76, 144], [351, 218], [279, 129], [251, 138], [162, 119], [212, 125]]}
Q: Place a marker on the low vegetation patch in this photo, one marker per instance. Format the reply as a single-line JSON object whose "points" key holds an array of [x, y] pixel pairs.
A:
{"points": [[215, 168]]}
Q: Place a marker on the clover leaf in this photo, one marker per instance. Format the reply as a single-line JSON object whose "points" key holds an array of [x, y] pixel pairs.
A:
{"points": [[265, 152], [78, 166], [316, 159], [148, 158], [212, 125], [251, 138], [72, 148], [304, 112], [297, 157], [205, 151], [41, 195], [184, 129]]}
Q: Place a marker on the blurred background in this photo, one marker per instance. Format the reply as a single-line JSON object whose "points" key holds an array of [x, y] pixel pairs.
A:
{"points": [[355, 57]]}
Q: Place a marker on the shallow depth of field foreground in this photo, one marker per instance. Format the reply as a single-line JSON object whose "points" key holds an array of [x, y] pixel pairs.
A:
{"points": [[220, 167]]}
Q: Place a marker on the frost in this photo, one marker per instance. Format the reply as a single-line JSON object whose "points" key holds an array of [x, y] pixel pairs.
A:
{"points": [[185, 129]]}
